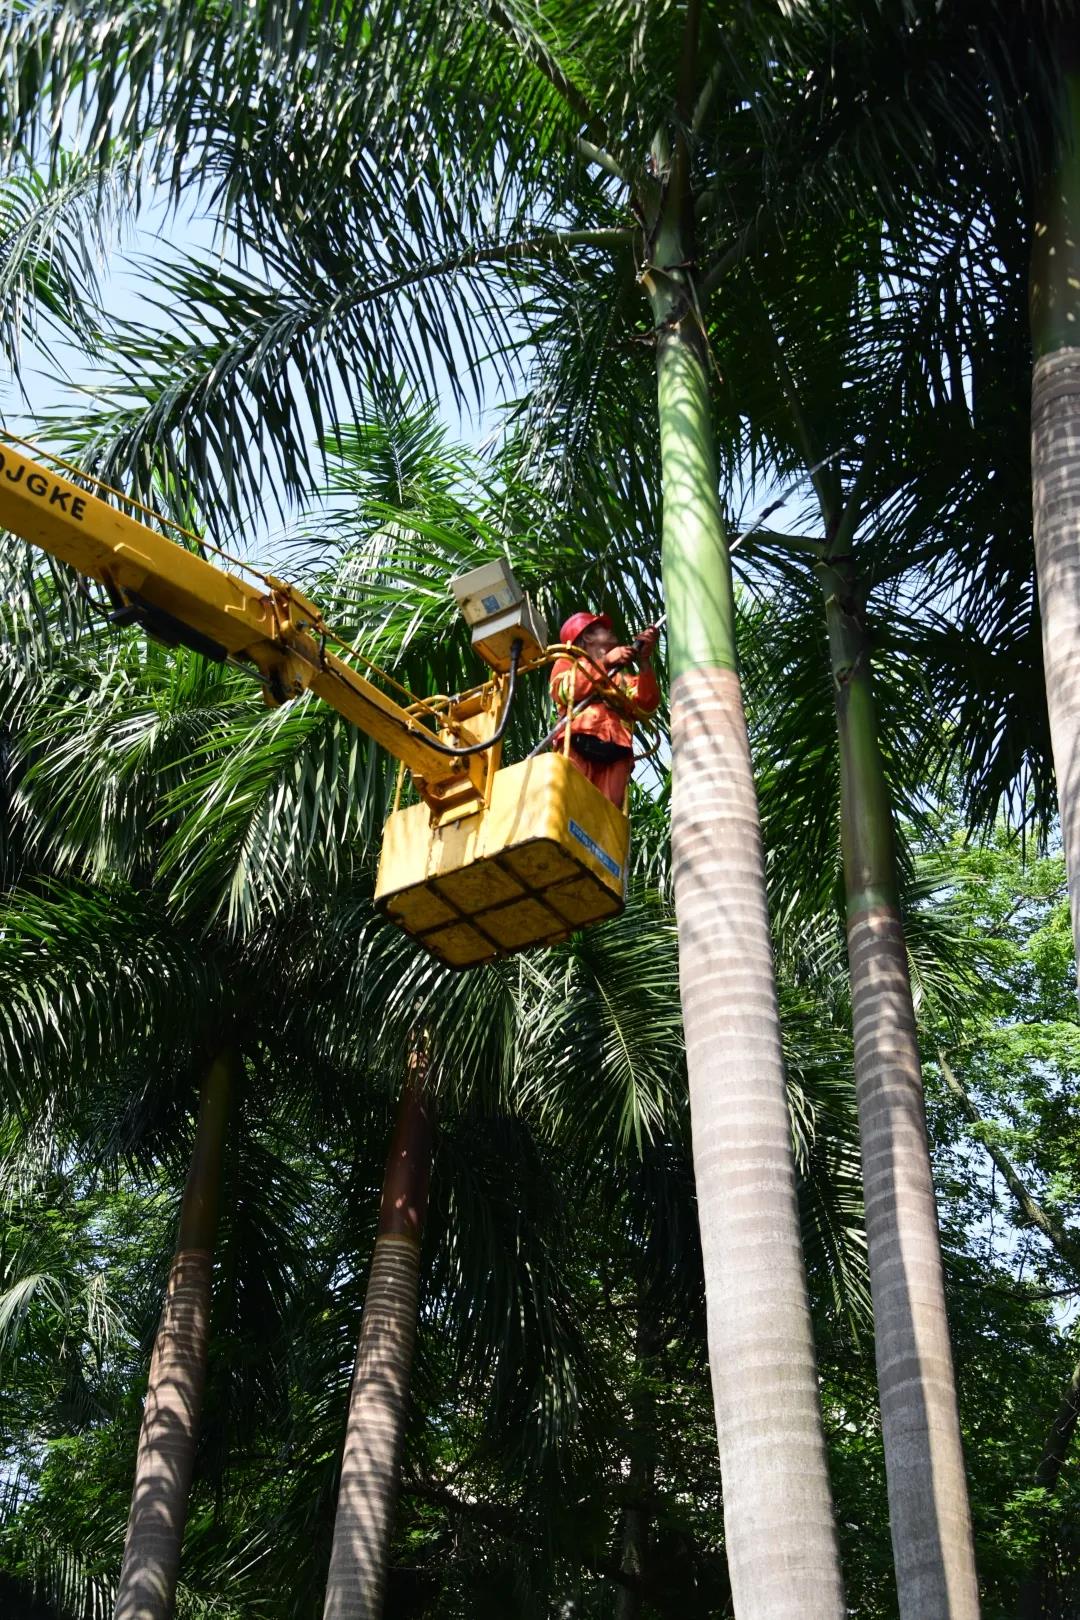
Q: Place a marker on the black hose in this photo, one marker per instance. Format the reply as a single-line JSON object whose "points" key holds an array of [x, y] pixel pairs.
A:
{"points": [[516, 650]]}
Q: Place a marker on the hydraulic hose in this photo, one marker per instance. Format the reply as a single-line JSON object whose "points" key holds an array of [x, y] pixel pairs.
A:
{"points": [[516, 649]]}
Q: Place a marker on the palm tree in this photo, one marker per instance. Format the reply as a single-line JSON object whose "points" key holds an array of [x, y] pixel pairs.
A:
{"points": [[932, 1537], [70, 940], [170, 1426], [1055, 492], [124, 989], [929, 1512], [764, 1379], [378, 1399]]}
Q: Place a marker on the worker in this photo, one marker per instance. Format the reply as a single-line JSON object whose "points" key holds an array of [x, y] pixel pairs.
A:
{"points": [[600, 737]]}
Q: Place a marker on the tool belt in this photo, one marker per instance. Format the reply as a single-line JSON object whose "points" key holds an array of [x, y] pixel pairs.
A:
{"points": [[598, 750]]}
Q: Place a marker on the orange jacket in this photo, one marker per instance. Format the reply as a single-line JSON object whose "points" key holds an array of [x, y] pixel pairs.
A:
{"points": [[570, 682]]}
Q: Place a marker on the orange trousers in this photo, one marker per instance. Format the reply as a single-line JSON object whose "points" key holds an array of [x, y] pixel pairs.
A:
{"points": [[612, 780]]}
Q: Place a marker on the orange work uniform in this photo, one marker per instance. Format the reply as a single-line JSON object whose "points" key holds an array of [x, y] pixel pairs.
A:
{"points": [[569, 683]]}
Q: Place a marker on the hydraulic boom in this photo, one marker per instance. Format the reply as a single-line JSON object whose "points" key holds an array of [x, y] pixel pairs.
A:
{"points": [[179, 597]]}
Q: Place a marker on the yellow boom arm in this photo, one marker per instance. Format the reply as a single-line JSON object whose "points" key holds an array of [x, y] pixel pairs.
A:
{"points": [[178, 596]]}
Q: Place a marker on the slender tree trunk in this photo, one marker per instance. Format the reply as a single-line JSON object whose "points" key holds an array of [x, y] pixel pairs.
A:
{"points": [[1055, 464], [924, 1460], [1068, 1247], [778, 1515], [378, 1400], [634, 1555], [170, 1425], [1055, 478], [1055, 1450]]}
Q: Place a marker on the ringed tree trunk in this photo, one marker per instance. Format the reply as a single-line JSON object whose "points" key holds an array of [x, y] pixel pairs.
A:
{"points": [[170, 1424], [634, 1552], [1055, 460], [1055, 478], [929, 1512], [379, 1396], [778, 1514]]}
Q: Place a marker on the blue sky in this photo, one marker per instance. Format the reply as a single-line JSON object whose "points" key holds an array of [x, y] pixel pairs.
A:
{"points": [[57, 383]]}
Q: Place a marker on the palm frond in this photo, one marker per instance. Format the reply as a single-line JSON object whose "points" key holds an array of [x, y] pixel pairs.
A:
{"points": [[87, 973], [56, 231]]}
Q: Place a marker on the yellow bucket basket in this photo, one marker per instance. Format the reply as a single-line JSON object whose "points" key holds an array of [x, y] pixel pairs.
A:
{"points": [[546, 855]]}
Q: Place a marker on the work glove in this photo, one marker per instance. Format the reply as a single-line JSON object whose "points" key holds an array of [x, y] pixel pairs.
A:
{"points": [[640, 651]]}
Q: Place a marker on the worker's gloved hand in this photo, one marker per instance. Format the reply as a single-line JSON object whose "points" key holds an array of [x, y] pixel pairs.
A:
{"points": [[639, 653], [645, 643]]}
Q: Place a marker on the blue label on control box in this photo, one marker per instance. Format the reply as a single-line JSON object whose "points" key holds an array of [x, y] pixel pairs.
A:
{"points": [[492, 603], [594, 849]]}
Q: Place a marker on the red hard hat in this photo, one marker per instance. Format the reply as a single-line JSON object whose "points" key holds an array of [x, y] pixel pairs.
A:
{"points": [[578, 623]]}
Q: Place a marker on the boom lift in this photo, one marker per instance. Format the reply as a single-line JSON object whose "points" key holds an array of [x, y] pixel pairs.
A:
{"points": [[493, 858]]}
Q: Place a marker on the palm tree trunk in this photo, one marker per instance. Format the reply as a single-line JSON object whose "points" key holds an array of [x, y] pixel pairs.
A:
{"points": [[778, 1515], [1055, 466], [378, 1400], [1055, 478], [634, 1554], [170, 1425], [924, 1462]]}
